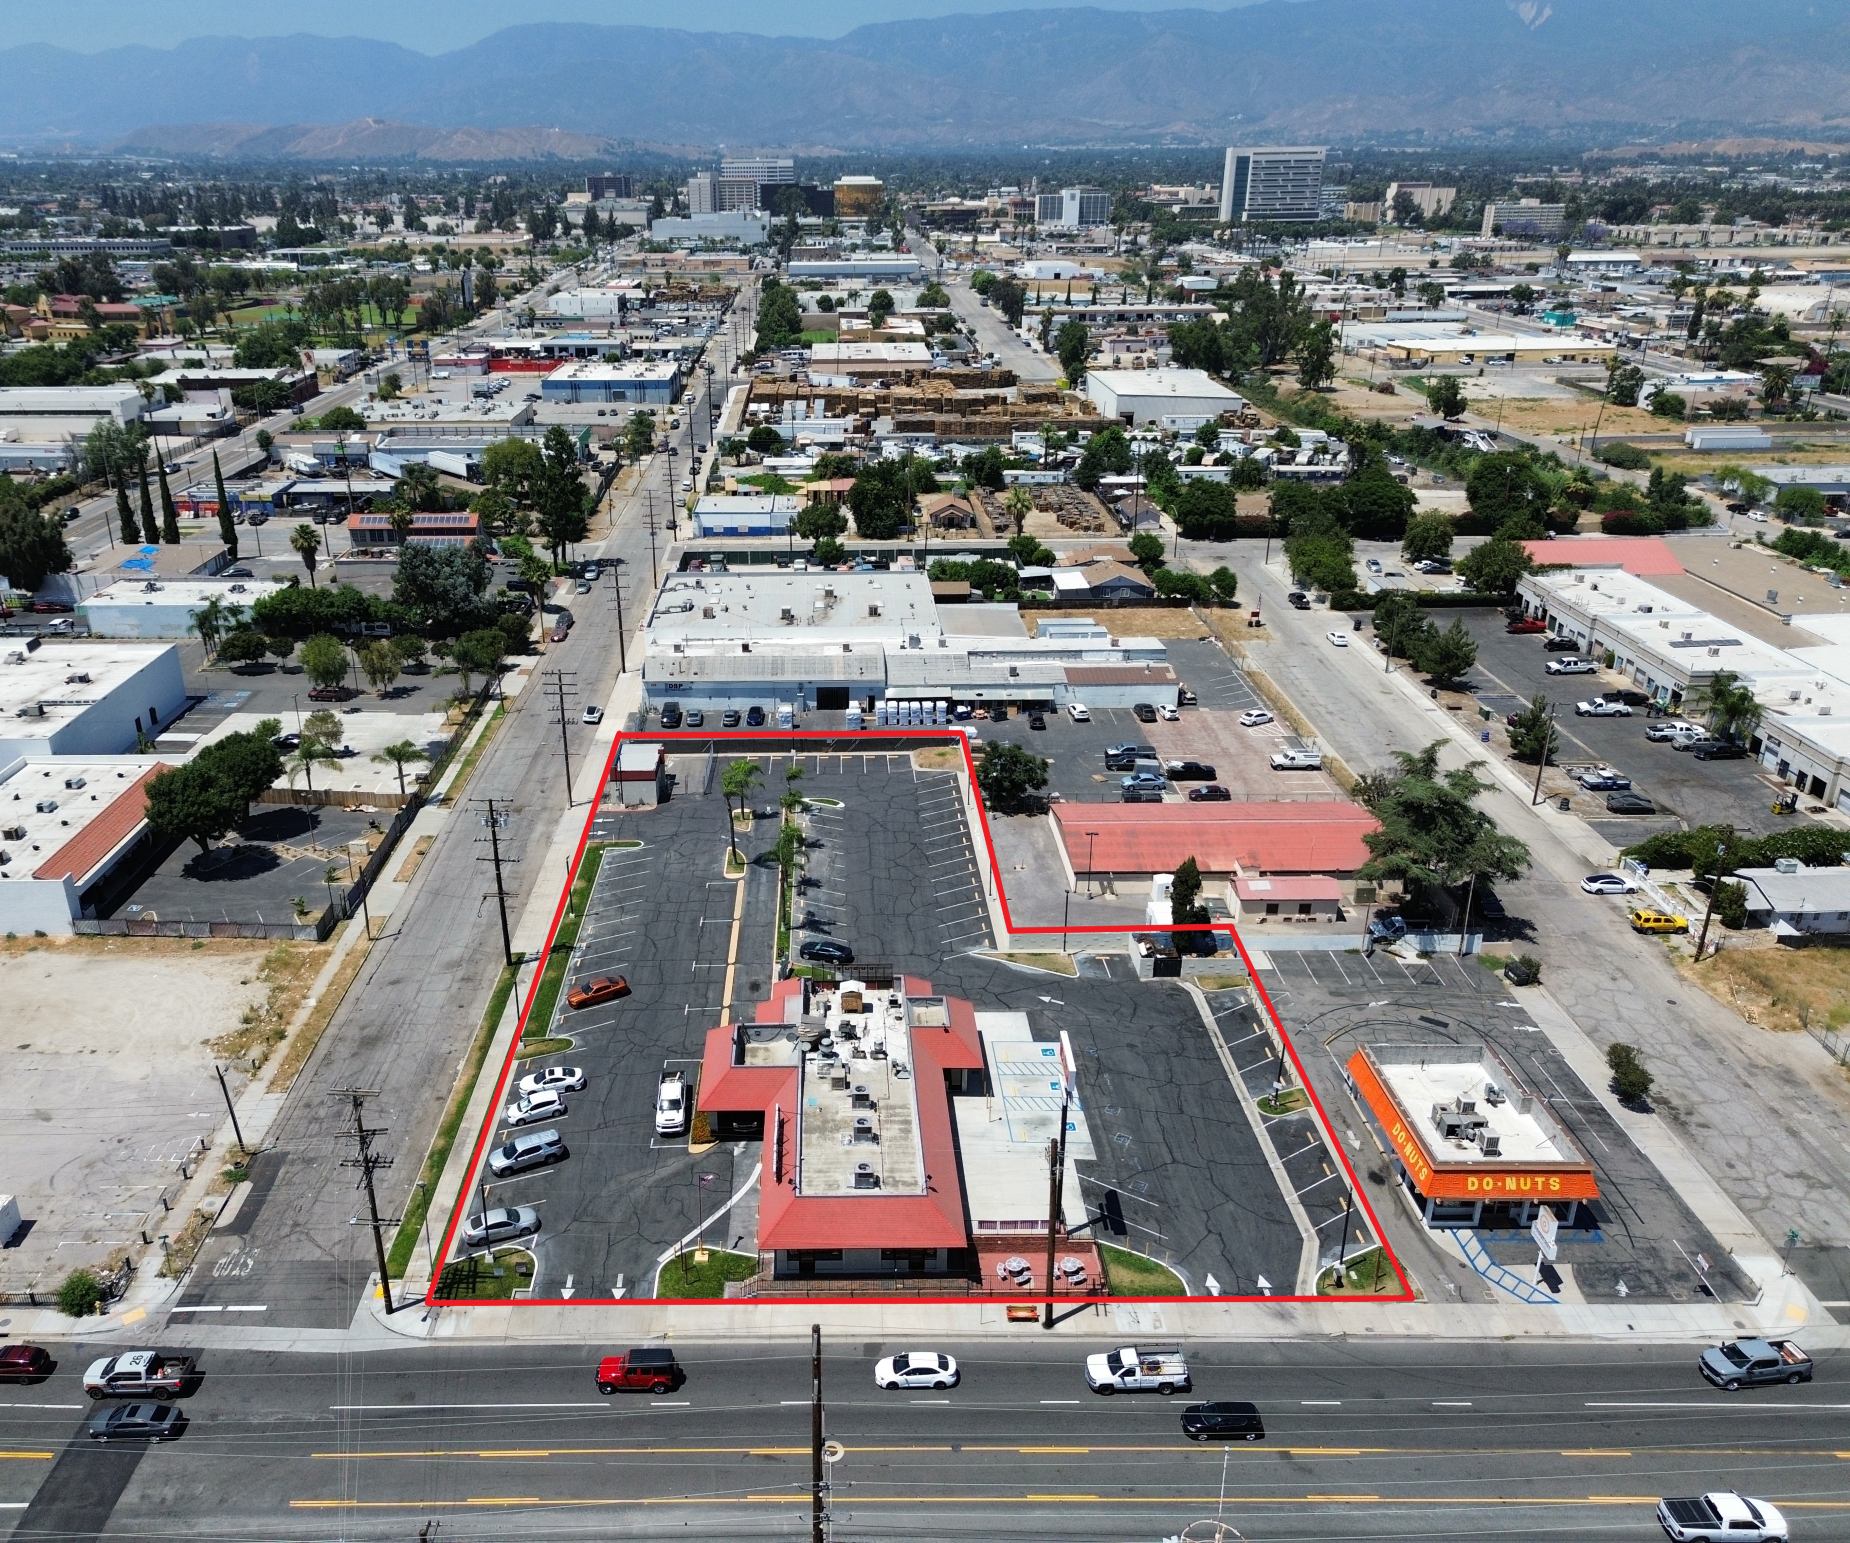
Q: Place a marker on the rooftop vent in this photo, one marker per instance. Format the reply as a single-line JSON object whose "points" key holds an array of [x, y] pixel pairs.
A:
{"points": [[862, 1098], [73, 783], [1493, 1145], [1786, 865], [865, 1177], [864, 1127]]}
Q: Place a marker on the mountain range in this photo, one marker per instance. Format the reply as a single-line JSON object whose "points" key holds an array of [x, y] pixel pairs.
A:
{"points": [[1485, 70]]}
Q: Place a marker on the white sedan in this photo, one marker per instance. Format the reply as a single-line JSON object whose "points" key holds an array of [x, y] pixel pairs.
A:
{"points": [[1339, 639], [1253, 717], [1608, 884], [1167, 713], [916, 1369], [593, 714], [553, 1079], [1077, 712]]}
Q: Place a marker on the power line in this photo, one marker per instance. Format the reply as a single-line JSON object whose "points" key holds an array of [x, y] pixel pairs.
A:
{"points": [[564, 682], [368, 1161], [495, 819]]}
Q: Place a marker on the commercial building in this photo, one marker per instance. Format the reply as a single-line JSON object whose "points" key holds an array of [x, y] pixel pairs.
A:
{"points": [[609, 184], [600, 304], [1077, 208], [164, 608], [1526, 217], [614, 380], [1416, 343], [1428, 201], [1123, 844], [370, 531], [1272, 183], [75, 409], [859, 198], [1148, 396], [851, 361], [1473, 1146], [702, 193], [68, 825], [747, 182], [829, 641], [895, 267], [746, 227], [745, 514], [85, 698]]}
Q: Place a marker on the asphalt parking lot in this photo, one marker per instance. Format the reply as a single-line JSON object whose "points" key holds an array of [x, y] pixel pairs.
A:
{"points": [[1683, 788], [281, 853], [282, 693], [1639, 1233]]}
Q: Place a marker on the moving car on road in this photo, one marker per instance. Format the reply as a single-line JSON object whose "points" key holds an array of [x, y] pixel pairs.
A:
{"points": [[1131, 1370], [135, 1422], [1338, 639], [650, 1369], [593, 714], [916, 1369], [1720, 1517], [1223, 1422], [25, 1363], [1599, 707], [1743, 1362], [139, 1374], [1608, 884]]}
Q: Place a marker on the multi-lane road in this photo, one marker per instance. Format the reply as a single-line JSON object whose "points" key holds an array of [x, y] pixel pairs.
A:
{"points": [[1363, 1441]]}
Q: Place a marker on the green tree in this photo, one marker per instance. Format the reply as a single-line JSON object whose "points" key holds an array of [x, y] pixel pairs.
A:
{"points": [[879, 307], [1185, 908], [1428, 536], [764, 440], [512, 466], [828, 553], [125, 516], [305, 542], [32, 545], [780, 317], [170, 516], [212, 621], [1171, 585], [1630, 1081], [150, 527], [1402, 623], [1010, 299], [306, 756], [1007, 774], [639, 434], [192, 803], [397, 755], [379, 664], [1316, 355], [1107, 454], [342, 419], [1800, 506], [932, 296], [79, 1294], [1727, 706], [737, 782], [1447, 656], [1494, 567], [883, 493], [1225, 584], [479, 653], [1533, 735], [1073, 344], [816, 520], [560, 498], [1146, 550], [1446, 397], [243, 646], [1623, 383], [1207, 511], [1507, 485], [1432, 835], [324, 660], [444, 586]]}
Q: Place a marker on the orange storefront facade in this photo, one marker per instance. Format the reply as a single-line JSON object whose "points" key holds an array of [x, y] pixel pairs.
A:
{"points": [[1456, 1180]]}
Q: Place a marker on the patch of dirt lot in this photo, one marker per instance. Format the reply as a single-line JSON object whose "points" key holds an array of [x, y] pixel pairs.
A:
{"points": [[1782, 989], [109, 1045], [1132, 621]]}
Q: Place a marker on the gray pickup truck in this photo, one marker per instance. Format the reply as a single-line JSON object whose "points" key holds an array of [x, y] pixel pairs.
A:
{"points": [[1743, 1362]]}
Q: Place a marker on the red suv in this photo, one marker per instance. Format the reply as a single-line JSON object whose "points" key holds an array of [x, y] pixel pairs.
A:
{"points": [[651, 1369], [25, 1363]]}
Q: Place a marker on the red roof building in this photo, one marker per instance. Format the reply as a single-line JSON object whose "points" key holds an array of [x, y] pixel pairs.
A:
{"points": [[371, 530], [1643, 557], [1226, 840], [852, 1084]]}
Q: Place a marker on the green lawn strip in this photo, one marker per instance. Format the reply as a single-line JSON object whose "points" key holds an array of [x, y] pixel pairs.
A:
{"points": [[1137, 1275], [417, 1203], [470, 760], [1368, 1273], [547, 1045], [558, 963], [477, 1280], [1287, 1102], [681, 1278]]}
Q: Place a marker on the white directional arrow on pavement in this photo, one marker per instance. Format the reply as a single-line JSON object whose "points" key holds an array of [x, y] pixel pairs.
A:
{"points": [[566, 1290]]}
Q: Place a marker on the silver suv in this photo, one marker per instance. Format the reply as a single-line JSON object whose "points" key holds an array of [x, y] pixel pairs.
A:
{"points": [[530, 1149]]}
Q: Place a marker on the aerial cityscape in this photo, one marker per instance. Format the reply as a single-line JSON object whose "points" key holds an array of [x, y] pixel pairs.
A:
{"points": [[1033, 773]]}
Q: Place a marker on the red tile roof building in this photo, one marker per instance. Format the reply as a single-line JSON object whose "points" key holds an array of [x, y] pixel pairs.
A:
{"points": [[1643, 557], [1321, 837]]}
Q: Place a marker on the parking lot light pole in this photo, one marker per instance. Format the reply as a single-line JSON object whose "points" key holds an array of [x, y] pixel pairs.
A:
{"points": [[1091, 836]]}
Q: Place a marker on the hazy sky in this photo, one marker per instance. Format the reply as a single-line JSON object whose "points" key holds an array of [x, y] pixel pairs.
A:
{"points": [[434, 26]]}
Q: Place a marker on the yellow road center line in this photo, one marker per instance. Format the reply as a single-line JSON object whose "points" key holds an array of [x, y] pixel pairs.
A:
{"points": [[28, 1454]]}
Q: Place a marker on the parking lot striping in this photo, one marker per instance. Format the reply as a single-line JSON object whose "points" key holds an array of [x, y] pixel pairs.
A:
{"points": [[41, 1406]]}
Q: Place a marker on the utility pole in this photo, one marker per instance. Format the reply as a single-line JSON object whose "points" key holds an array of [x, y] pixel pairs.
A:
{"points": [[564, 682], [1715, 884], [494, 819], [616, 583], [1056, 1175], [1541, 761], [654, 575], [231, 1110], [817, 1515], [368, 1162]]}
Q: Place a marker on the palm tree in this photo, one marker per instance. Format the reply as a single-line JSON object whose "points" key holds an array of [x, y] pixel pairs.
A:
{"points": [[737, 781], [1018, 506], [213, 620], [1729, 706], [306, 757], [396, 755], [306, 541]]}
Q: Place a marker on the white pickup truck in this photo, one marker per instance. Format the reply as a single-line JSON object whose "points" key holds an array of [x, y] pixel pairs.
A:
{"points": [[1719, 1516], [1131, 1370]]}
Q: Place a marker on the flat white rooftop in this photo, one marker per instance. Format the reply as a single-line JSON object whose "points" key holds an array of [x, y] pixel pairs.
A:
{"points": [[1454, 1097], [828, 357], [1444, 339], [781, 610], [42, 689], [192, 593], [857, 1102]]}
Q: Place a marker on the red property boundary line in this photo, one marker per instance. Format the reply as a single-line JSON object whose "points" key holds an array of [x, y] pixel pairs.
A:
{"points": [[783, 741]]}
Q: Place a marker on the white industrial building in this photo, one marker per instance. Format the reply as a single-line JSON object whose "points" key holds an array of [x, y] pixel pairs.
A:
{"points": [[165, 608], [745, 514], [614, 380], [1073, 209], [1265, 183], [747, 227], [67, 825], [602, 303], [41, 427], [819, 640], [86, 698], [1149, 396]]}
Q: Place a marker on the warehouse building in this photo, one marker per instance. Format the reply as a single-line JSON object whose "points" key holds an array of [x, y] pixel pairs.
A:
{"points": [[745, 514], [68, 827], [650, 382], [86, 698], [1148, 396], [165, 608]]}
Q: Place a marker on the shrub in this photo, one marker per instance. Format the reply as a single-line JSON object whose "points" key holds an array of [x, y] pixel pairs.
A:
{"points": [[1630, 1080], [1625, 457], [1731, 905], [80, 1295], [1523, 970]]}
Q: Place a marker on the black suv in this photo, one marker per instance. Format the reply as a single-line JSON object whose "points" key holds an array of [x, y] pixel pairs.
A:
{"points": [[1561, 643], [1190, 771], [671, 715], [1223, 1422]]}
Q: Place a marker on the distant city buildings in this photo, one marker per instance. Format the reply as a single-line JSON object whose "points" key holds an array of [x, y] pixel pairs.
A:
{"points": [[1529, 217], [1429, 202], [1072, 209], [859, 198], [609, 184], [1272, 183]]}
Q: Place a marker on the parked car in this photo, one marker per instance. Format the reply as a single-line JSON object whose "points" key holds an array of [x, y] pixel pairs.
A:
{"points": [[1628, 696], [1744, 1362], [1561, 643], [1209, 793], [671, 1104], [599, 988], [1373, 565], [1185, 697], [135, 1422], [916, 1369], [696, 718], [534, 1109], [529, 1149], [239, 571], [1253, 717], [49, 608], [487, 1228], [1299, 600], [1599, 707], [1644, 919], [1603, 779], [651, 1369], [331, 693], [1130, 751], [1144, 712], [1432, 565], [561, 632], [754, 717], [826, 950], [1143, 780], [1669, 731], [1140, 795], [552, 1079], [25, 1363], [1189, 771], [729, 719], [1527, 624], [1168, 714], [593, 714], [286, 742], [1629, 803], [1572, 667], [1296, 760], [1718, 750], [1223, 1422], [671, 715], [1608, 884], [1077, 712], [1037, 720]]}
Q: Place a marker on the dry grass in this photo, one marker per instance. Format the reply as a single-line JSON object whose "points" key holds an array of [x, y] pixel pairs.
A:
{"points": [[1058, 964], [288, 969], [940, 758], [1779, 989], [413, 859], [309, 1035], [183, 1247], [1156, 621]]}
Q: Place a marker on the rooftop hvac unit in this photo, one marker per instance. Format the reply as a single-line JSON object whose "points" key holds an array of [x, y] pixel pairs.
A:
{"points": [[47, 806], [865, 1177], [1715, 653], [81, 678], [13, 833], [1493, 1145], [863, 1099], [73, 783], [864, 1127], [1786, 865]]}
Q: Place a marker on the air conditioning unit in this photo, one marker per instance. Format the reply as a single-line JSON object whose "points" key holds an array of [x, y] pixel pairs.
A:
{"points": [[73, 783], [865, 1177], [47, 806], [1786, 865], [1493, 1145], [864, 1128]]}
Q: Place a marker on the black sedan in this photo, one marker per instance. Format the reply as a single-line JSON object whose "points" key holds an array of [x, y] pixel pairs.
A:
{"points": [[1629, 803], [1037, 720], [1719, 751], [1226, 1421], [136, 1422], [826, 951]]}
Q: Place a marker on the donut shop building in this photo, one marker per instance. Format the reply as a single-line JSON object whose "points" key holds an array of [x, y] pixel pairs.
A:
{"points": [[1472, 1144]]}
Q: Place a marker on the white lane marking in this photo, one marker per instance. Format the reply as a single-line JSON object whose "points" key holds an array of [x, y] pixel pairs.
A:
{"points": [[1321, 1403], [388, 1408], [1059, 1400], [41, 1406], [1745, 1409]]}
